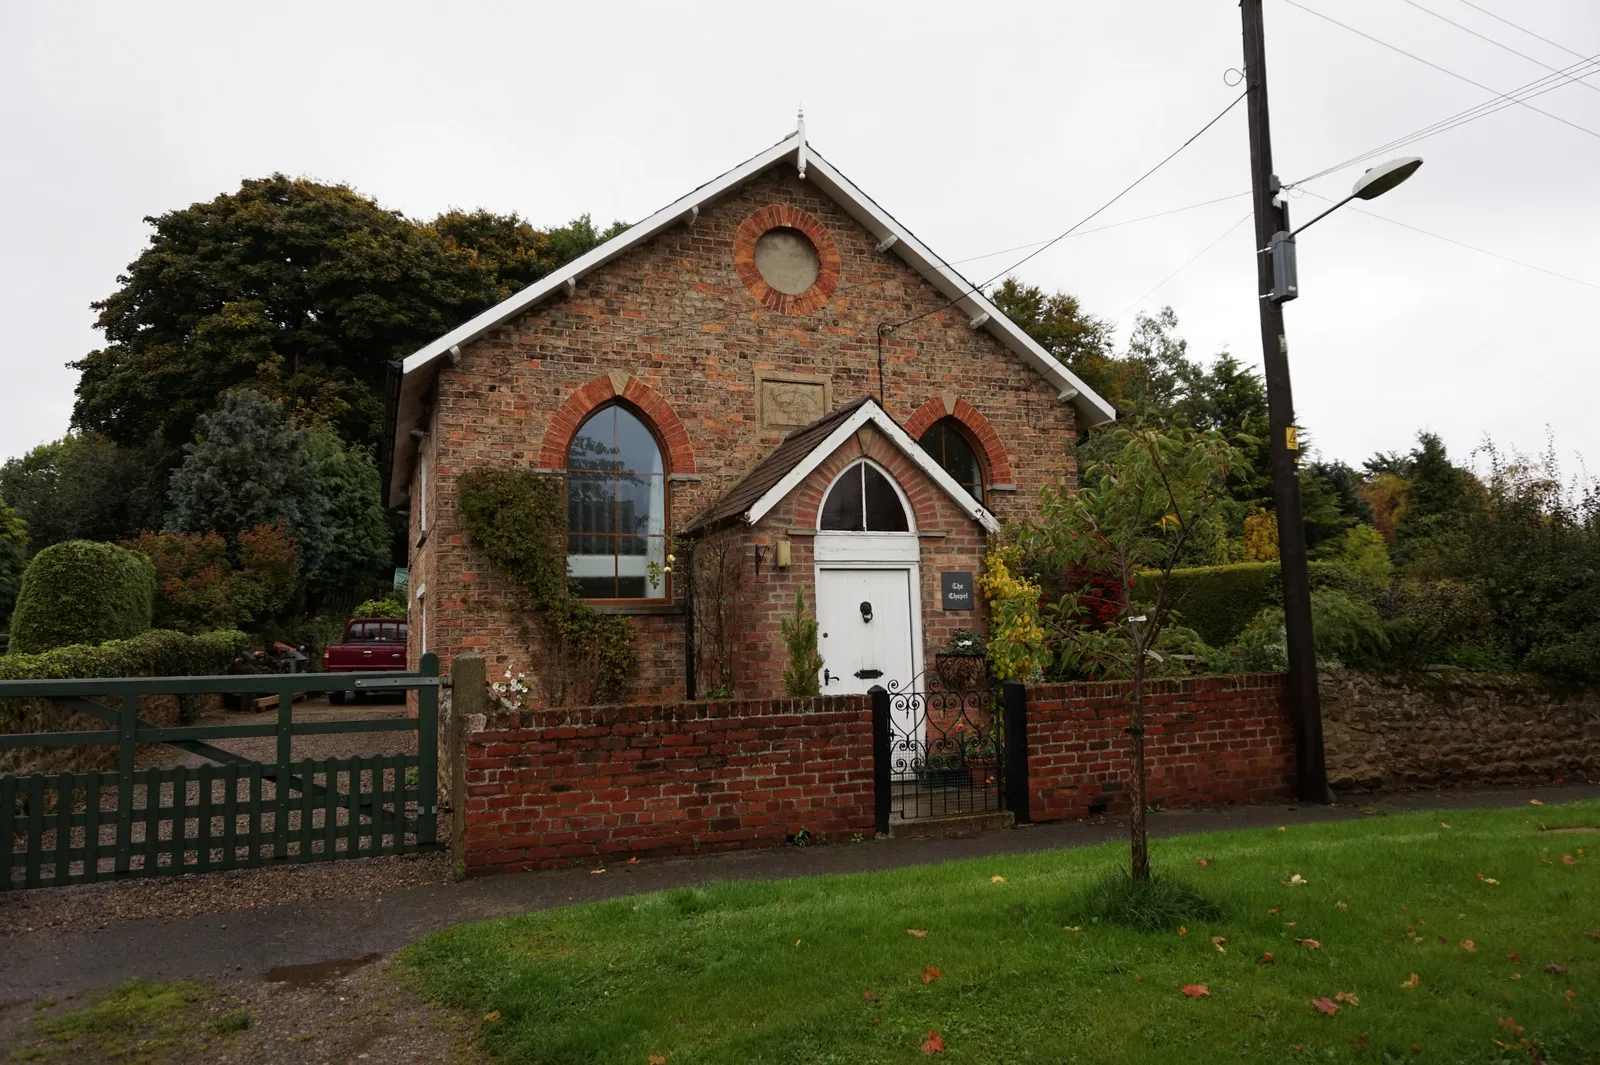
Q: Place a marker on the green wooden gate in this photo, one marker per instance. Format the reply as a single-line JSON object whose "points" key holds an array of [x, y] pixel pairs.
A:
{"points": [[68, 828]]}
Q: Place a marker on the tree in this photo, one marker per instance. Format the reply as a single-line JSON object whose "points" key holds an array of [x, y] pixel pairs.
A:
{"points": [[251, 468], [356, 550], [301, 291], [84, 487], [800, 639], [1059, 324], [1137, 508], [13, 556], [1435, 498]]}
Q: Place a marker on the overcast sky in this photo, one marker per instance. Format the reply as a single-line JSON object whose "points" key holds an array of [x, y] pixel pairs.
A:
{"points": [[980, 127]]}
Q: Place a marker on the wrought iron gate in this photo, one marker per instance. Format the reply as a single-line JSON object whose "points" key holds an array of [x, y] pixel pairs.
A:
{"points": [[947, 750]]}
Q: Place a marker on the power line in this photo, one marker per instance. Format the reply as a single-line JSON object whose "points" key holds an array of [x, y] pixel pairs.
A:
{"points": [[1497, 44], [1537, 87], [1523, 29], [1102, 229], [1436, 66], [1462, 244], [1182, 268], [889, 328]]}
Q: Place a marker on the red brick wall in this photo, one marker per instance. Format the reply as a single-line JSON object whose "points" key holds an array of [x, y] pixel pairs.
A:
{"points": [[675, 317], [1207, 739], [547, 786]]}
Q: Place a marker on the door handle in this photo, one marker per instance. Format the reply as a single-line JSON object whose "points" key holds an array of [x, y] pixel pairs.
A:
{"points": [[827, 678]]}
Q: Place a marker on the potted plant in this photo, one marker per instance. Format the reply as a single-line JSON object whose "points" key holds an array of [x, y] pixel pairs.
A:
{"points": [[963, 662]]}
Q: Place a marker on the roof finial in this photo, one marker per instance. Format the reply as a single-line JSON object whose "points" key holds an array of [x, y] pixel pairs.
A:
{"points": [[800, 132]]}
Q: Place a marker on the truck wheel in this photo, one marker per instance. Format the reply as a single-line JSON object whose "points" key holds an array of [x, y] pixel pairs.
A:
{"points": [[336, 698]]}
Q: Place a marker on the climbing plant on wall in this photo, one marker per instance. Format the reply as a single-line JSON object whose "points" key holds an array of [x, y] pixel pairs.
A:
{"points": [[519, 519]]}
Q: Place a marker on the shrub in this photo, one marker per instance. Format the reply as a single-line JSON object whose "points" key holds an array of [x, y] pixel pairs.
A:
{"points": [[13, 556], [82, 592], [1349, 632], [800, 639], [379, 608], [199, 589], [1215, 601], [1429, 620]]}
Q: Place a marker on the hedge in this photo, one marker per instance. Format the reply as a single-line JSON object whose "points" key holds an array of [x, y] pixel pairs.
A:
{"points": [[82, 592], [155, 653], [1216, 601]]}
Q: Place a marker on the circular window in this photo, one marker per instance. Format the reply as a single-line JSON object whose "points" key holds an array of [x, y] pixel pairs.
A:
{"points": [[787, 261]]}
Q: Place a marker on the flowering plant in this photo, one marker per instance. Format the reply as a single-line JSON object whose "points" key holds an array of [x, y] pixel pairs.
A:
{"points": [[511, 692]]}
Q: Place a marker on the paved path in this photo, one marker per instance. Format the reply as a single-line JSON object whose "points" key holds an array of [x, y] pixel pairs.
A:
{"points": [[248, 943]]}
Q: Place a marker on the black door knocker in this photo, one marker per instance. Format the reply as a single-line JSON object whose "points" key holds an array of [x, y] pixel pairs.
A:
{"points": [[866, 610]]}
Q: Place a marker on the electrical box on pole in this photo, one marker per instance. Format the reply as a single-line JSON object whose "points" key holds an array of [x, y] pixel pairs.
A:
{"points": [[1285, 271]]}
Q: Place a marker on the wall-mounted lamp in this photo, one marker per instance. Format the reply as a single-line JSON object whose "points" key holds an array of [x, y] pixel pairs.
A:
{"points": [[759, 552]]}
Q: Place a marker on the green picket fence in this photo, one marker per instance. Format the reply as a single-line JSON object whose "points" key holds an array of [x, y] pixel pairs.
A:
{"points": [[67, 828]]}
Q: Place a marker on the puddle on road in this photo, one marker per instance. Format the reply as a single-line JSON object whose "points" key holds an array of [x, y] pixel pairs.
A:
{"points": [[318, 973]]}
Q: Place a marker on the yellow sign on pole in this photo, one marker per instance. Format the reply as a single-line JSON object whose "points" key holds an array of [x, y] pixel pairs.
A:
{"points": [[1291, 439]]}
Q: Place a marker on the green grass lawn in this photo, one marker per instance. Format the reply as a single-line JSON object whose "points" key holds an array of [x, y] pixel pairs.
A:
{"points": [[741, 973]]}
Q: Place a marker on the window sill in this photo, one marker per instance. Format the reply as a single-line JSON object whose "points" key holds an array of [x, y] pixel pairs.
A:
{"points": [[639, 609]]}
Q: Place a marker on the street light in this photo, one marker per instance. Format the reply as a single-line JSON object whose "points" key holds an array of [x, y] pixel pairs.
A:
{"points": [[1369, 186]]}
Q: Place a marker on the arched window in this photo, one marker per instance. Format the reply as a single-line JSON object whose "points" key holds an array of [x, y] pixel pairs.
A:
{"points": [[863, 500], [617, 508], [950, 449]]}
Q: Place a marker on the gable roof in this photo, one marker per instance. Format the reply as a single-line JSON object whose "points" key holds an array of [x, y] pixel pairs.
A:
{"points": [[419, 368], [806, 448]]}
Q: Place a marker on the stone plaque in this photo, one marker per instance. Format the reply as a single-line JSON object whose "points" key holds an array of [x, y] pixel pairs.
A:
{"points": [[957, 589], [787, 401]]}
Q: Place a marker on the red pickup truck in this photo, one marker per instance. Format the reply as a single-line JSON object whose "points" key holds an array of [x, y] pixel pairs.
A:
{"points": [[370, 645]]}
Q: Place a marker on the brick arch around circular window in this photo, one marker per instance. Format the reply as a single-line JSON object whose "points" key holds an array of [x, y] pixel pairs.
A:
{"points": [[602, 390], [979, 432], [783, 216]]}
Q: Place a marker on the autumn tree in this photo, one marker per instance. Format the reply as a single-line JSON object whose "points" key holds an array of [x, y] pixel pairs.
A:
{"points": [[1137, 508], [202, 586]]}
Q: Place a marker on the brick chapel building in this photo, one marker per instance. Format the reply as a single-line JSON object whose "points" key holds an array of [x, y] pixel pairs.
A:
{"points": [[771, 376]]}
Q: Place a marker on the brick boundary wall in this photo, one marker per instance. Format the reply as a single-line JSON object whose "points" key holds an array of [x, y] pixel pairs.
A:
{"points": [[1207, 739], [545, 787]]}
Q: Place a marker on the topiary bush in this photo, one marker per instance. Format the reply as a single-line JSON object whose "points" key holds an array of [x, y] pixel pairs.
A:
{"points": [[82, 592], [154, 653]]}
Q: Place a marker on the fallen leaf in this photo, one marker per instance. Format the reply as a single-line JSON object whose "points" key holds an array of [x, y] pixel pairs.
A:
{"points": [[1290, 924], [1469, 946], [1221, 943], [657, 1059], [1203, 862], [1509, 1024], [1413, 936], [1342, 905], [633, 861], [797, 943], [920, 933], [596, 872], [1594, 936], [1413, 981], [933, 1044], [997, 879], [1272, 911], [1295, 881], [1182, 931], [1265, 959], [1071, 928], [1416, 1048], [1281, 828], [1555, 967], [1309, 944], [1347, 997], [1443, 940], [1514, 956], [1360, 1043], [1535, 802], [869, 995], [1486, 879], [1325, 1005], [1443, 825], [492, 1016], [930, 974], [1567, 859], [1196, 991], [1570, 995]]}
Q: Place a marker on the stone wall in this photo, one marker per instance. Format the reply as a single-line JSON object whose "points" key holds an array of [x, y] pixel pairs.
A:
{"points": [[1453, 728]]}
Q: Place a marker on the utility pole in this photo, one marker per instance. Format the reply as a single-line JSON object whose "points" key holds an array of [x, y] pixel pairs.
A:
{"points": [[1311, 771]]}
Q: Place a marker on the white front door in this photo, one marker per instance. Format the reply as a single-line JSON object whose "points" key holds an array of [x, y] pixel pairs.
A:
{"points": [[868, 621]]}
